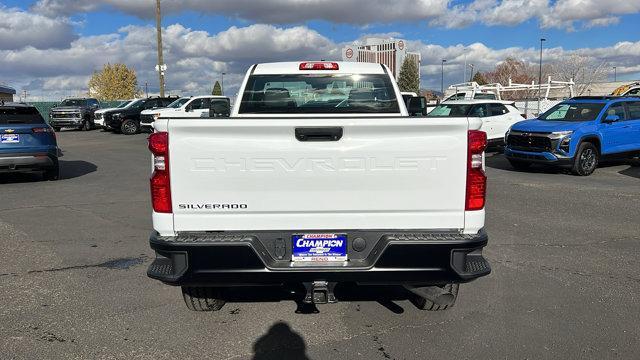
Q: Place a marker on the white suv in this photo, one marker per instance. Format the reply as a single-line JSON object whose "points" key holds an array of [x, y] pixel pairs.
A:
{"points": [[497, 115], [187, 107]]}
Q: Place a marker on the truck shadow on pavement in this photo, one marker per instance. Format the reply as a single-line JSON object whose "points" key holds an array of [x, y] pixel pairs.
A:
{"points": [[280, 343], [69, 169]]}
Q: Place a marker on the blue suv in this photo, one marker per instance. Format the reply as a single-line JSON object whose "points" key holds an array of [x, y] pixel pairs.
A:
{"points": [[577, 133], [27, 142]]}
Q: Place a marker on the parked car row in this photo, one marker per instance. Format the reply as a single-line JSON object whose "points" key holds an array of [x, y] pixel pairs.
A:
{"points": [[577, 133], [130, 116]]}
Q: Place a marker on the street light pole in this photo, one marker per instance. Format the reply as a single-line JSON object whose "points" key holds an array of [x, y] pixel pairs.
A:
{"points": [[442, 80], [471, 76], [159, 39], [542, 40], [615, 74], [464, 77]]}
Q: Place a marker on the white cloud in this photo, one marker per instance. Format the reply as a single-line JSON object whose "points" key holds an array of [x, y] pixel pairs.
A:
{"points": [[272, 11], [445, 13], [19, 29], [195, 58]]}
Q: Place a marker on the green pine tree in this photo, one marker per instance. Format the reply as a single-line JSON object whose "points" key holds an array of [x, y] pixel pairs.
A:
{"points": [[217, 89], [409, 78]]}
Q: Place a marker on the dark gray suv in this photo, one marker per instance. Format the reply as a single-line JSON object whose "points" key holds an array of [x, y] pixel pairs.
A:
{"points": [[76, 113]]}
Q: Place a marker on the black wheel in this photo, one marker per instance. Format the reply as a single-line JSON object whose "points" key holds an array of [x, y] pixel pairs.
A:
{"points": [[56, 128], [129, 127], [86, 125], [519, 164], [202, 298], [586, 159], [424, 304], [53, 173]]}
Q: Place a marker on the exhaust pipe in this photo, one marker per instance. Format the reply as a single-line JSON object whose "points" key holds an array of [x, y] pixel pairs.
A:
{"points": [[435, 294]]}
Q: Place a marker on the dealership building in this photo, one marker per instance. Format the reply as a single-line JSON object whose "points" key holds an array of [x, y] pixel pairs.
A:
{"points": [[6, 93], [391, 52]]}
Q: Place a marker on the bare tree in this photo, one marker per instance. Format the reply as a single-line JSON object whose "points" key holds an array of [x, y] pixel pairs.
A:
{"points": [[518, 72], [584, 71]]}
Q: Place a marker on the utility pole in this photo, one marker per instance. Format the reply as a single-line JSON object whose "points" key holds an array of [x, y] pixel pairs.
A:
{"points": [[222, 74], [615, 74], [146, 88], [542, 40], [161, 67], [442, 80]]}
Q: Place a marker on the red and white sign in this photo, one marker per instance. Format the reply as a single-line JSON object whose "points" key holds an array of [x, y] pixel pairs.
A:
{"points": [[349, 53], [400, 44]]}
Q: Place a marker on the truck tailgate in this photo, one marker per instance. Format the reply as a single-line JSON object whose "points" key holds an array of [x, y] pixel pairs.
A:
{"points": [[254, 174]]}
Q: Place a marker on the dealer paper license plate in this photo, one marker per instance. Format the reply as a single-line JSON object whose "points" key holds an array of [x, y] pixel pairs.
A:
{"points": [[9, 139], [319, 247]]}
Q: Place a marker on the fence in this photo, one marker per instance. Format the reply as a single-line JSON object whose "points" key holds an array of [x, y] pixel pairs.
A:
{"points": [[45, 106]]}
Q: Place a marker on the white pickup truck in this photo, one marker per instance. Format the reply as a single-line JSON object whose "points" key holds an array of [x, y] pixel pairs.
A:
{"points": [[191, 107], [318, 177]]}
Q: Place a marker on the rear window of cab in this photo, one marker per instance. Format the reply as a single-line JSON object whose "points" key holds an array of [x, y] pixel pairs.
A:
{"points": [[319, 94]]}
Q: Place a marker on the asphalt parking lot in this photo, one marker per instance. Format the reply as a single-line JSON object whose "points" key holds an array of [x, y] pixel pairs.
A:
{"points": [[565, 282]]}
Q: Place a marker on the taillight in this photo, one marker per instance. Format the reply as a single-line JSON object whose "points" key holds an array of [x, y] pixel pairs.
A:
{"points": [[476, 178], [160, 179], [42, 130], [319, 66]]}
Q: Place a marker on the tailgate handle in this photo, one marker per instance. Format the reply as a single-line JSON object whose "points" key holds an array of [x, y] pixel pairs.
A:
{"points": [[319, 134]]}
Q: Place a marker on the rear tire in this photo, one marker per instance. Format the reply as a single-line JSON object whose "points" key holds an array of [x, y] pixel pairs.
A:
{"points": [[202, 298], [52, 174], [586, 159], [129, 127], [427, 305], [519, 164]]}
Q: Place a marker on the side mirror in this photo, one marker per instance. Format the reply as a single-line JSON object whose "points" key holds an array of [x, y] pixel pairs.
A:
{"points": [[219, 109], [611, 119], [188, 109], [417, 106]]}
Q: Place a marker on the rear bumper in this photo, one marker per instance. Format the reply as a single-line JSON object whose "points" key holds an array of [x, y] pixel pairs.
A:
{"points": [[264, 258], [27, 161], [538, 157]]}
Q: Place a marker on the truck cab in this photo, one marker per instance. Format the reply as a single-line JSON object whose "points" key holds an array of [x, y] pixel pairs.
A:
{"points": [[319, 177]]}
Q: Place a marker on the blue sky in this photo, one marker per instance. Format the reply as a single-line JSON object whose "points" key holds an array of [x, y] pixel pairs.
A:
{"points": [[606, 32]]}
